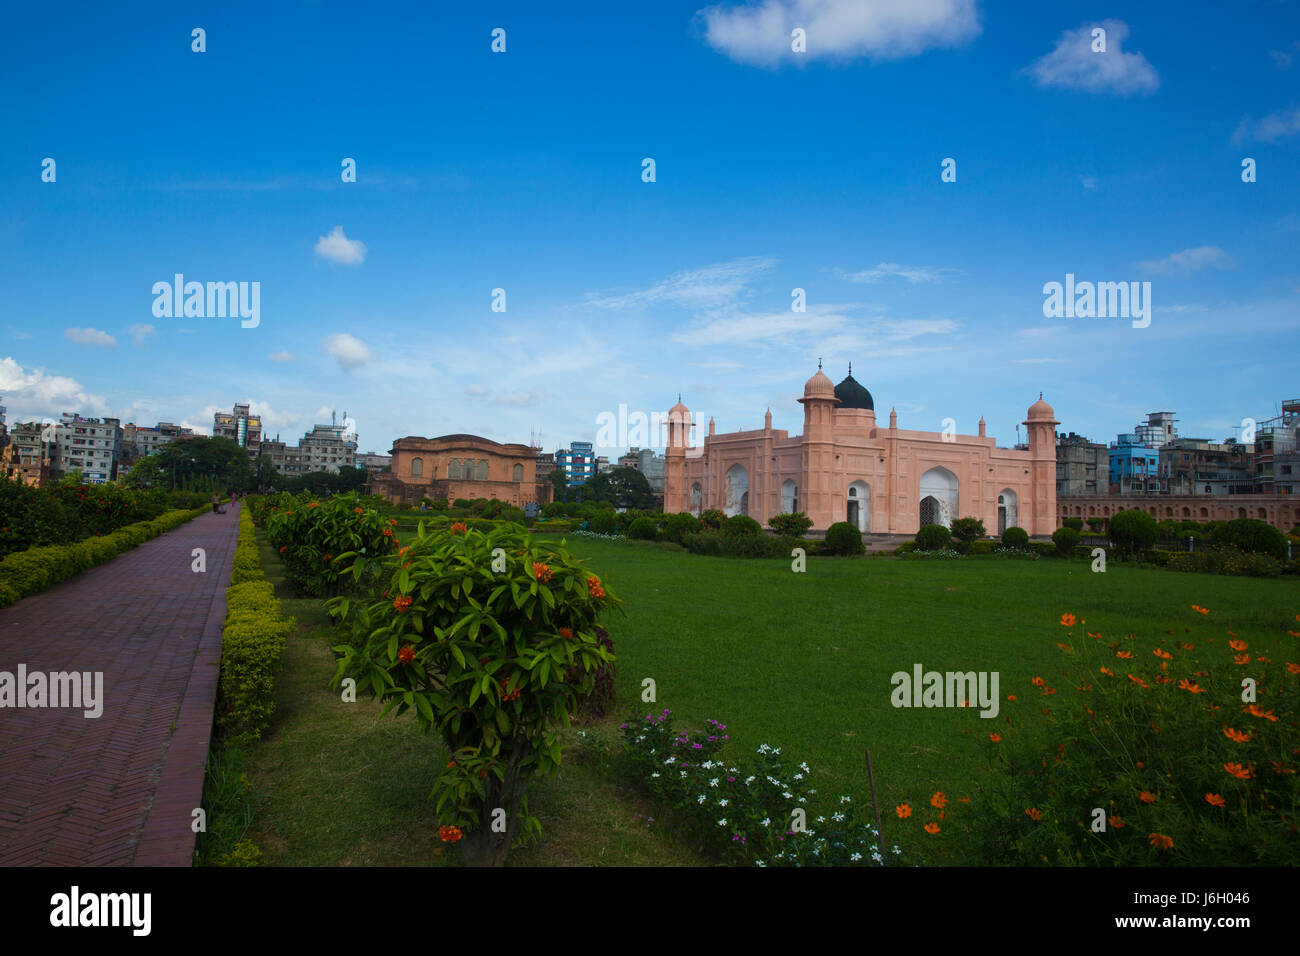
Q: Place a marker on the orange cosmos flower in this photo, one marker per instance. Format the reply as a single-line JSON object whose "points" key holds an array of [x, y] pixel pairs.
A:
{"points": [[1293, 667], [903, 810], [932, 828], [1038, 682], [1200, 610], [406, 654], [939, 801], [1162, 654], [996, 738], [1241, 659], [1238, 645], [1256, 711], [1160, 841], [1214, 800], [1139, 681], [1190, 685], [1238, 771], [1147, 797], [1187, 647], [1107, 671], [1034, 813], [1067, 620], [1293, 633], [963, 799], [1236, 735], [1116, 822], [1011, 697], [1126, 655]]}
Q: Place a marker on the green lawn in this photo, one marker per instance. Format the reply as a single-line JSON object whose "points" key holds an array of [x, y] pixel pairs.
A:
{"points": [[799, 661]]}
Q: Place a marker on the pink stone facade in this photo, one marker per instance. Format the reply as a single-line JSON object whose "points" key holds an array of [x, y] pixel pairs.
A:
{"points": [[846, 467]]}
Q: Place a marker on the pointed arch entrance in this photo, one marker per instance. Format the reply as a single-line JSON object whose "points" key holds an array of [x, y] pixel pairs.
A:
{"points": [[1008, 516], [859, 505], [938, 497], [737, 498]]}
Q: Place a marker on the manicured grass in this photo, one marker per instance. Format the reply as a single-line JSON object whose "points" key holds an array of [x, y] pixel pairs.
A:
{"points": [[799, 661]]}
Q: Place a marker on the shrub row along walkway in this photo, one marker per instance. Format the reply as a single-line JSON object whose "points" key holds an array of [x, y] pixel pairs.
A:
{"points": [[119, 789]]}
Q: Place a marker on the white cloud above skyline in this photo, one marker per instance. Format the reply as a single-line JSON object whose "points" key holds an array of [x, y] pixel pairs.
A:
{"points": [[1188, 260], [93, 337], [1075, 65], [337, 247], [350, 351]]}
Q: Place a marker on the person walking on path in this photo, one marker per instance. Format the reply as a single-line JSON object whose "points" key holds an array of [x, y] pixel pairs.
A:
{"points": [[216, 504]]}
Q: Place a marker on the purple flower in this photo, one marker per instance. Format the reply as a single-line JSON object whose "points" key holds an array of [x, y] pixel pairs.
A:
{"points": [[697, 746]]}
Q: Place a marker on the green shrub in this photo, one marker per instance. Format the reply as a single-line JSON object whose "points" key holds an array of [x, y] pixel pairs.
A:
{"points": [[1228, 561], [1157, 556], [791, 525], [677, 525], [1015, 537], [843, 538], [741, 524], [1065, 539], [721, 545], [968, 529], [1132, 531], [1075, 524], [1252, 536], [907, 547], [643, 529], [1096, 524], [933, 537], [982, 547], [603, 522], [712, 518]]}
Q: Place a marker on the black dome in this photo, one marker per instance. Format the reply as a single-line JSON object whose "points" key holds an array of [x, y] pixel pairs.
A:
{"points": [[852, 395]]}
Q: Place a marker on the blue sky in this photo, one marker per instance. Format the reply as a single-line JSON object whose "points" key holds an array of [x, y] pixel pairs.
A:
{"points": [[522, 170]]}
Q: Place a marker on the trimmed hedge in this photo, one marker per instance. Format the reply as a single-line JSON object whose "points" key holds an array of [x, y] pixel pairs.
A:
{"points": [[29, 572], [845, 539], [252, 642]]}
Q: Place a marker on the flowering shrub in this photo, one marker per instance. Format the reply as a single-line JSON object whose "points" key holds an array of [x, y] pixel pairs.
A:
{"points": [[69, 511], [712, 519], [489, 638], [744, 816], [941, 553], [313, 537], [1154, 737], [1226, 561]]}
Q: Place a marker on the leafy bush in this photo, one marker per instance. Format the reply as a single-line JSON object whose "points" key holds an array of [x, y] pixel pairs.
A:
{"points": [[1158, 557], [712, 518], [933, 537], [1250, 535], [312, 536], [1065, 538], [1096, 524], [743, 814], [907, 547], [1075, 524], [643, 529], [968, 529], [741, 524], [600, 699], [479, 654], [1015, 537], [603, 522], [1132, 531], [463, 503], [982, 547], [843, 538], [791, 525], [1226, 561], [680, 524]]}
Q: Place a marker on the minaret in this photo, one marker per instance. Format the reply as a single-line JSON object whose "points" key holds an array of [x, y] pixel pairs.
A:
{"points": [[676, 494], [767, 421], [1041, 423], [818, 441]]}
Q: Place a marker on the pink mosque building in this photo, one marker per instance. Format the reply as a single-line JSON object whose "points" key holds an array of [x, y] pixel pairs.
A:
{"points": [[845, 467]]}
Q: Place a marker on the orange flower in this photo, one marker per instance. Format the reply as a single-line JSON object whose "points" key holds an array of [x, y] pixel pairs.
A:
{"points": [[1242, 659], [1107, 671], [903, 810], [566, 633], [449, 834], [1038, 682], [1236, 735], [406, 654], [359, 511], [388, 532], [393, 522], [1067, 620], [1165, 655], [451, 763], [1116, 822], [1214, 800], [458, 527], [1238, 645], [963, 799], [996, 738], [402, 550], [1160, 841], [1238, 771], [932, 828], [1256, 711], [314, 504], [939, 801], [1187, 647], [329, 558], [1139, 681], [403, 604], [542, 571], [1034, 813], [1147, 797], [1190, 685], [593, 585], [284, 548], [1293, 667], [1126, 655], [1011, 697], [1200, 610]]}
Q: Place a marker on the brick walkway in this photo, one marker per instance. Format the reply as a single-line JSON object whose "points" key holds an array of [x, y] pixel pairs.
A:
{"points": [[117, 790]]}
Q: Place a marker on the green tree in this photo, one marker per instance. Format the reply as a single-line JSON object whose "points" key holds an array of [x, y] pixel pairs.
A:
{"points": [[560, 483]]}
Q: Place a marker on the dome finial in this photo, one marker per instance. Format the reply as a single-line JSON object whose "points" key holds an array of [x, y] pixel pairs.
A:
{"points": [[850, 368], [679, 396], [819, 365], [1040, 396]]}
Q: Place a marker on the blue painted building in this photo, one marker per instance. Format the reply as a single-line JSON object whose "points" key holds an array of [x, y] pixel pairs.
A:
{"points": [[578, 462], [1134, 466]]}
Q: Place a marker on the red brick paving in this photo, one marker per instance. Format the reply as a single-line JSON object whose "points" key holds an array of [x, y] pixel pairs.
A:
{"points": [[117, 790]]}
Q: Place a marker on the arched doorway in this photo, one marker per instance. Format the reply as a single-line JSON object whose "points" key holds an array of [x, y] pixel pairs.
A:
{"points": [[1007, 510], [737, 499], [789, 497], [859, 505], [939, 485], [697, 498]]}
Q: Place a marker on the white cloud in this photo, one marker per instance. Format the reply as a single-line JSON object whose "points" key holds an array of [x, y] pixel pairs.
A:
{"points": [[912, 274], [1188, 260], [282, 357], [710, 287], [34, 395], [337, 247], [476, 390], [1089, 182], [139, 333], [350, 351], [1271, 128], [1074, 65], [759, 33], [90, 337]]}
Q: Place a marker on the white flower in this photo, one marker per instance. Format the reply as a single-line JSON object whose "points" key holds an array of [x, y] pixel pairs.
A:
{"points": [[821, 819], [669, 760], [701, 800], [804, 767], [804, 800], [855, 857], [788, 795], [722, 822], [845, 800], [896, 849], [759, 863], [878, 858], [766, 821], [654, 775], [722, 802], [837, 817], [798, 776], [713, 782], [749, 780]]}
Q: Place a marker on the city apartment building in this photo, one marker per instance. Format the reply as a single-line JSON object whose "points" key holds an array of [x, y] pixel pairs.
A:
{"points": [[1197, 466], [92, 446], [140, 441], [1081, 466], [286, 459], [648, 463], [241, 427], [578, 462], [1277, 457], [327, 448]]}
